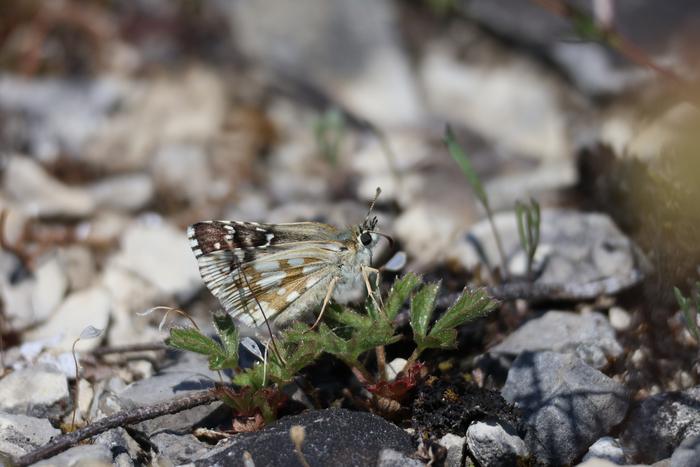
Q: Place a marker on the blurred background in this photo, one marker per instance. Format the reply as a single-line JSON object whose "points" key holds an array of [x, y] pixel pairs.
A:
{"points": [[124, 121]]}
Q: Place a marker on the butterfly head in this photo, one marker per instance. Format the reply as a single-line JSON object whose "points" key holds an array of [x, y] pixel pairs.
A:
{"points": [[366, 234]]}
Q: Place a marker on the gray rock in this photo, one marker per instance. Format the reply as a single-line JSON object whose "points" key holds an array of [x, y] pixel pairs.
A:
{"points": [[588, 336], [507, 88], [20, 434], [660, 423], [493, 444], [124, 448], [391, 458], [17, 302], [94, 455], [79, 266], [32, 299], [183, 171], [161, 254], [189, 375], [566, 404], [607, 448], [332, 437], [580, 255], [90, 307], [38, 391], [348, 49], [39, 194], [123, 192], [687, 454], [455, 449], [653, 26], [51, 286], [176, 107], [40, 107], [179, 449]]}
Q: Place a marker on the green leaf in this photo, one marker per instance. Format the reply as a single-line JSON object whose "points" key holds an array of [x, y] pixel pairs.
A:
{"points": [[465, 164], [689, 312], [399, 293], [468, 307], [347, 317], [192, 340], [422, 307], [228, 334], [222, 362], [586, 26]]}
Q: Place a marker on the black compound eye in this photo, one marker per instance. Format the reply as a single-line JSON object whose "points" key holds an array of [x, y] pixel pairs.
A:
{"points": [[366, 238]]}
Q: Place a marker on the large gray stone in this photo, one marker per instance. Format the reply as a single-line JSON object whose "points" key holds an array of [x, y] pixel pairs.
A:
{"points": [[189, 375], [332, 437], [566, 404], [687, 454], [580, 255], [38, 391], [588, 335], [20, 434], [660, 423]]}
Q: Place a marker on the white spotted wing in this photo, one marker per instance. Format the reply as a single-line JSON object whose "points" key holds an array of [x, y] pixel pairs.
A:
{"points": [[273, 271]]}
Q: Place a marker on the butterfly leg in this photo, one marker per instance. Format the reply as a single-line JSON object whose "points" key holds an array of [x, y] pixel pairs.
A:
{"points": [[329, 294], [365, 275]]}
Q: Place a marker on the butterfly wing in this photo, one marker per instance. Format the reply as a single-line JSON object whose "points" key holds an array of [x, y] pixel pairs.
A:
{"points": [[258, 271]]}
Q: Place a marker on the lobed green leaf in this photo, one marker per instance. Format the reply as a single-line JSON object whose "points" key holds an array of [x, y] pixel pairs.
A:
{"points": [[399, 293], [422, 308], [226, 329], [193, 340], [469, 306]]}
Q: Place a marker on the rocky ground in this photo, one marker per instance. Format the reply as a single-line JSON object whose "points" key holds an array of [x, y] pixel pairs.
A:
{"points": [[121, 125]]}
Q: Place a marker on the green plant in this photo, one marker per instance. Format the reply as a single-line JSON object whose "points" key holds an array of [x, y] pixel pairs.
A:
{"points": [[349, 336], [329, 131], [690, 306], [462, 159], [528, 217]]}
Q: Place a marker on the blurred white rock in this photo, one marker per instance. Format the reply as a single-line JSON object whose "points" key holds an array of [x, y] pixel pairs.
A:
{"points": [[187, 107], [90, 307], [129, 192], [43, 104], [39, 194], [160, 253], [51, 286]]}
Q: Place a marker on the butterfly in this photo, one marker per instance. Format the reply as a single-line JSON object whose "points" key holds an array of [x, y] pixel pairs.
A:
{"points": [[279, 273]]}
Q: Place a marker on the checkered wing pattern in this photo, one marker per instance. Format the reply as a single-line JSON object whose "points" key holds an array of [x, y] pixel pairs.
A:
{"points": [[258, 271]]}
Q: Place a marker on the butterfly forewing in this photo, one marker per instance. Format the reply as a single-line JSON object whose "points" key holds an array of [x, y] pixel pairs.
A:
{"points": [[250, 266]]}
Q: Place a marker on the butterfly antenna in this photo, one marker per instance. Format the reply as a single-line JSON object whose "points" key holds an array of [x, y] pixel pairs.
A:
{"points": [[371, 206]]}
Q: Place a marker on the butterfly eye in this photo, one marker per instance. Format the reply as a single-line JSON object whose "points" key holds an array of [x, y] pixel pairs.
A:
{"points": [[366, 238]]}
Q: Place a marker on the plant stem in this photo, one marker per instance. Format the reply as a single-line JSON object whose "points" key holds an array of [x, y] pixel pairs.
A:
{"points": [[360, 372], [126, 417], [381, 361], [413, 358], [499, 244]]}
